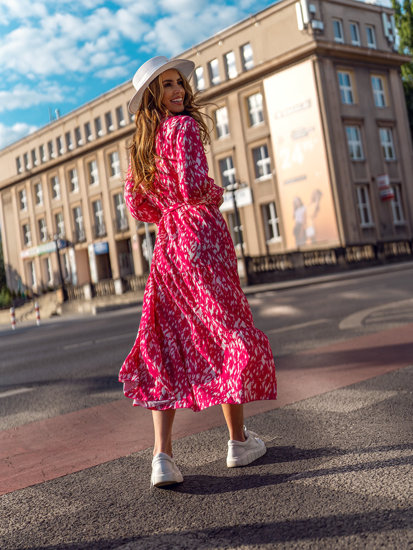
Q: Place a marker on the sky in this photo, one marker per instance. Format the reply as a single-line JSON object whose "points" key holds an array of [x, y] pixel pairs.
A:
{"points": [[60, 54]]}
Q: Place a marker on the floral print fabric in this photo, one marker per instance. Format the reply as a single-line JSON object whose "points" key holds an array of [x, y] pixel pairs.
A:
{"points": [[197, 345]]}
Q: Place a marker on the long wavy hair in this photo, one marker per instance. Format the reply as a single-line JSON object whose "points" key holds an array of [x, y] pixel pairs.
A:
{"points": [[147, 120]]}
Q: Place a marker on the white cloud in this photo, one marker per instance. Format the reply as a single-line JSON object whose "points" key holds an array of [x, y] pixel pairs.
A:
{"points": [[24, 97], [113, 72], [10, 134]]}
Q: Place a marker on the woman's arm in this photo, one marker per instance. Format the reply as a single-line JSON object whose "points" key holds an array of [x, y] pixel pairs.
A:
{"points": [[139, 204], [192, 167]]}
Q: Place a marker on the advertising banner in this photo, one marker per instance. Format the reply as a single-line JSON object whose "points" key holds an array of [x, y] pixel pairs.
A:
{"points": [[303, 180], [385, 190]]}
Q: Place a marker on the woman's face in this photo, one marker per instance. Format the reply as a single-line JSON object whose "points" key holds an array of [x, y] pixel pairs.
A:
{"points": [[173, 91]]}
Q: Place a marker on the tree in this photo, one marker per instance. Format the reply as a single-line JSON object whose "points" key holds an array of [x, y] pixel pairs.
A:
{"points": [[403, 15]]}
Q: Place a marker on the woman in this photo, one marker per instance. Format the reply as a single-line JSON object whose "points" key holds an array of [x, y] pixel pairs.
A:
{"points": [[196, 345]]}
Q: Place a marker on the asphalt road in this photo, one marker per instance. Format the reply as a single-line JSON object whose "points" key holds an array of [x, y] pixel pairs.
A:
{"points": [[70, 364]]}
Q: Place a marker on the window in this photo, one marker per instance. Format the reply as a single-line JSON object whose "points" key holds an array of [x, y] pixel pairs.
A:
{"points": [[114, 164], [78, 137], [355, 34], [74, 182], [355, 147], [371, 37], [59, 145], [26, 161], [42, 152], [262, 162], [35, 160], [92, 170], [109, 122], [32, 273], [338, 30], [48, 270], [387, 145], [68, 139], [120, 119], [99, 227], [55, 187], [79, 228], [271, 222], [213, 69], [120, 209], [98, 127], [255, 110], [59, 225], [379, 94], [23, 199], [19, 165], [88, 131], [230, 65], [50, 149], [363, 204], [27, 237], [227, 171], [199, 78], [247, 57], [221, 122], [42, 230], [346, 89], [397, 205], [38, 193], [235, 230]]}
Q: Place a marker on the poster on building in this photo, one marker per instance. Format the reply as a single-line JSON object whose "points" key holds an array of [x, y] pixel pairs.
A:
{"points": [[301, 167]]}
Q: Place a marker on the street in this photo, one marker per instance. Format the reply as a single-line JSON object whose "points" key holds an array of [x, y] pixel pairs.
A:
{"points": [[67, 365], [75, 455]]}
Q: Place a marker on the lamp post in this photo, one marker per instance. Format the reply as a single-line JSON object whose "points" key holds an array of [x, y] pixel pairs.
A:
{"points": [[232, 187], [59, 264]]}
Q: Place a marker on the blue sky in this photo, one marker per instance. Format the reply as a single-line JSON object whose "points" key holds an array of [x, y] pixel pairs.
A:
{"points": [[59, 54]]}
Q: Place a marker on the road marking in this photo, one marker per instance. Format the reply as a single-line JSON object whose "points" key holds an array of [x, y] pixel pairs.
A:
{"points": [[99, 341], [296, 327], [356, 319], [9, 393]]}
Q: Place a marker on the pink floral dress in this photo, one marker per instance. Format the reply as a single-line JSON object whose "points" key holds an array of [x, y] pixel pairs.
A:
{"points": [[197, 345]]}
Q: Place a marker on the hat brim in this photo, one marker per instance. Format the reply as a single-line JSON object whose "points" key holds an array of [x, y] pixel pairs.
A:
{"points": [[184, 66]]}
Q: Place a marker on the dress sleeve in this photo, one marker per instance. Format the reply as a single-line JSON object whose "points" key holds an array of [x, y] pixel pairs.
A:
{"points": [[139, 203], [192, 167]]}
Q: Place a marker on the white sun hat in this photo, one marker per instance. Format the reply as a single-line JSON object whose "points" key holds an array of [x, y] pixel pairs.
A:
{"points": [[150, 70]]}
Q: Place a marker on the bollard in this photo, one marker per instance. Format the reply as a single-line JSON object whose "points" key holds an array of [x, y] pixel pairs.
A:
{"points": [[13, 318], [37, 310]]}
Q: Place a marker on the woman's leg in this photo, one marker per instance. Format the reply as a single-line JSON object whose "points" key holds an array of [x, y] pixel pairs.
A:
{"points": [[162, 424], [234, 417]]}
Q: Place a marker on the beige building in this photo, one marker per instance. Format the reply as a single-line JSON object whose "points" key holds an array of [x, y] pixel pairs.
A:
{"points": [[310, 123]]}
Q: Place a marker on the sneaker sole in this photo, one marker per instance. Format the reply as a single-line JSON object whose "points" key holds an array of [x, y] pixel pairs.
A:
{"points": [[247, 458], [162, 481]]}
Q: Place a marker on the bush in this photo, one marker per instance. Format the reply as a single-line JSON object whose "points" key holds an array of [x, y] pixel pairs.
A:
{"points": [[6, 297]]}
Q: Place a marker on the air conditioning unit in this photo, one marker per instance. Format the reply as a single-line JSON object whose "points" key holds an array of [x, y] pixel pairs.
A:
{"points": [[317, 25]]}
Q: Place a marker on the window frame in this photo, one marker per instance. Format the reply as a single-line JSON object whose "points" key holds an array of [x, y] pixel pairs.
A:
{"points": [[355, 41], [346, 90], [231, 70], [261, 162], [221, 126], [364, 207], [387, 145], [228, 170], [247, 61], [353, 144], [252, 110], [214, 79], [338, 25], [379, 94], [371, 44], [271, 224], [198, 78]]}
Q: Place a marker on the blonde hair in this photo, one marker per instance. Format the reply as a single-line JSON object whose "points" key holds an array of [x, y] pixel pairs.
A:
{"points": [[147, 119]]}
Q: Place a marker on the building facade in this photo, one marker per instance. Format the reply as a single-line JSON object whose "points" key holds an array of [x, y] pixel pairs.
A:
{"points": [[310, 125]]}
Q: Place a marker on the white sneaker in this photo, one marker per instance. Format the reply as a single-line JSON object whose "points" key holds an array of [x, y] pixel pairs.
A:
{"points": [[241, 453], [164, 471]]}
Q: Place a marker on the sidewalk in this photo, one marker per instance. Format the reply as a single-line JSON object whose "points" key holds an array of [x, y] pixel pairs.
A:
{"points": [[49, 306], [337, 474]]}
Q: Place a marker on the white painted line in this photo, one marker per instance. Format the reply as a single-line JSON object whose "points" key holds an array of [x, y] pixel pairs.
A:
{"points": [[356, 319], [296, 327], [78, 344], [9, 393]]}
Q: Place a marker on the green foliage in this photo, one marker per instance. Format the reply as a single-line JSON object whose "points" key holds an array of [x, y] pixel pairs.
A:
{"points": [[403, 15], [6, 297]]}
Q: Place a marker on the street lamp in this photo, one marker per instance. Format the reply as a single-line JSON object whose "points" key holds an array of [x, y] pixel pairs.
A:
{"points": [[232, 187], [56, 240]]}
